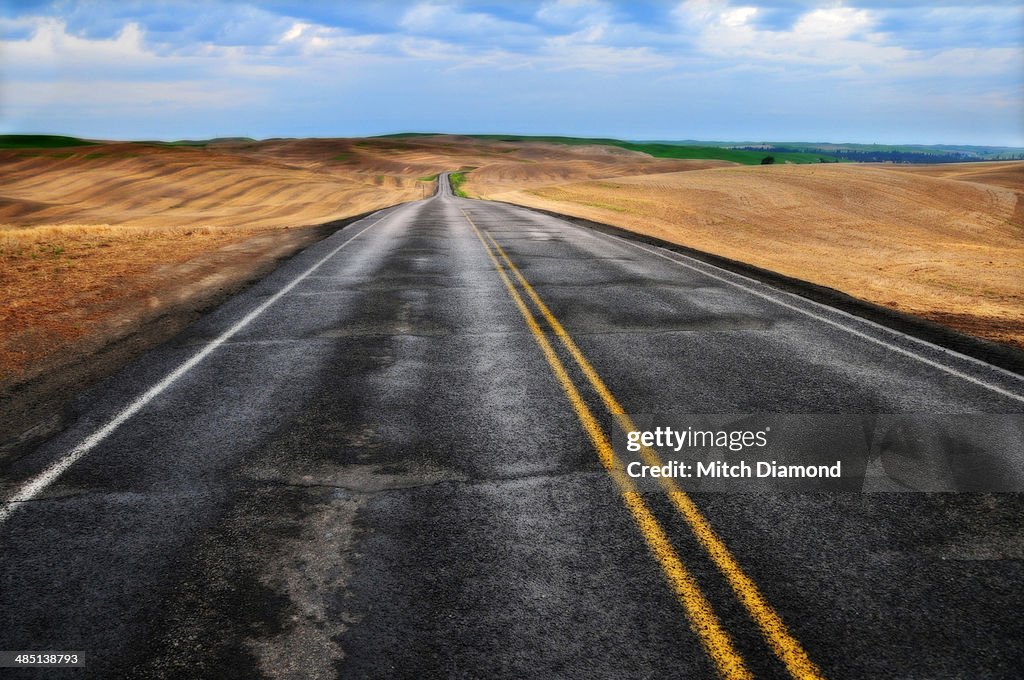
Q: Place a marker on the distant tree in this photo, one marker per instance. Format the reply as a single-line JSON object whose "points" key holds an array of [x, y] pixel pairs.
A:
{"points": [[767, 160]]}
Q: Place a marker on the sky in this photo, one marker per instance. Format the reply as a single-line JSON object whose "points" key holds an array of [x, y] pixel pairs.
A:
{"points": [[868, 71]]}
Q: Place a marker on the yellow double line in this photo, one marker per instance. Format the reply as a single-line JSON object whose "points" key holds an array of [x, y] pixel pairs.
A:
{"points": [[716, 640]]}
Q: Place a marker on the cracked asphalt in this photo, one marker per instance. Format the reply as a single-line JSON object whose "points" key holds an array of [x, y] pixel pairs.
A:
{"points": [[380, 476]]}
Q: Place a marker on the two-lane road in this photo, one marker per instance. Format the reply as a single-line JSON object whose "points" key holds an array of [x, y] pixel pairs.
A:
{"points": [[389, 459]]}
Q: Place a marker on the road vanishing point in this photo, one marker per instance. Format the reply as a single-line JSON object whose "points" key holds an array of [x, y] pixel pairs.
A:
{"points": [[390, 459]]}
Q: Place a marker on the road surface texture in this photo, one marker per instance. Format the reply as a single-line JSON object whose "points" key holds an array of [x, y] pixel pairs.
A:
{"points": [[388, 460]]}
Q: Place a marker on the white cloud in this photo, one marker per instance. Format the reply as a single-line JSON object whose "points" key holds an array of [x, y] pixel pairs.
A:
{"points": [[54, 73], [50, 43], [834, 23], [316, 40], [840, 38], [603, 58], [844, 40], [574, 13], [430, 18], [699, 13], [584, 50], [180, 62]]}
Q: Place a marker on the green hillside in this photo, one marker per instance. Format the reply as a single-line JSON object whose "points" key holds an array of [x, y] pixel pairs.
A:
{"points": [[661, 150], [41, 142]]}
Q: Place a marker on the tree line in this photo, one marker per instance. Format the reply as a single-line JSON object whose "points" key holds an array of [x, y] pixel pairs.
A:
{"points": [[882, 156]]}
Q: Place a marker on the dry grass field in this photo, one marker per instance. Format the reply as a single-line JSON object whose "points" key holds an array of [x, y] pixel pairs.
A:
{"points": [[98, 241], [95, 242], [941, 242]]}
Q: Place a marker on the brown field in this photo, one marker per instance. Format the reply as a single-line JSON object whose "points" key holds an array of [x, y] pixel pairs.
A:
{"points": [[98, 241], [1007, 174], [942, 242]]}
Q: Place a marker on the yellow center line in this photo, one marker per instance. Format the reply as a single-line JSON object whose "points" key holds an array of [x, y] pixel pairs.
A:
{"points": [[703, 620], [786, 647]]}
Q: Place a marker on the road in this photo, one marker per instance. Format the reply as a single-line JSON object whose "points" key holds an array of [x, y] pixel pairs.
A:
{"points": [[386, 460]]}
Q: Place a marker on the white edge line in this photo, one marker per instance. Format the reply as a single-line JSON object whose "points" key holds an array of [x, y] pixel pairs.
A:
{"points": [[835, 310], [771, 298], [32, 488], [805, 300], [853, 331]]}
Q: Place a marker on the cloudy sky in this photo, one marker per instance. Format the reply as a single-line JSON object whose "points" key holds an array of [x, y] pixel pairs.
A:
{"points": [[859, 70]]}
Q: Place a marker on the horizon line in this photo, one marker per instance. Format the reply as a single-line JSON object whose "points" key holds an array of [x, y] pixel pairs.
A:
{"points": [[669, 140]]}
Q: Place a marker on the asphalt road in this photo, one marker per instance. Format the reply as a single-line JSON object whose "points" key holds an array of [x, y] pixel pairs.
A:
{"points": [[374, 464]]}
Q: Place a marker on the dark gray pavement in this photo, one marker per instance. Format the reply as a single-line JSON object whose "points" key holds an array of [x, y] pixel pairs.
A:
{"points": [[378, 475]]}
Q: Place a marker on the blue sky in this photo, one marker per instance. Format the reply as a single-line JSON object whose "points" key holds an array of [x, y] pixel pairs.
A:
{"points": [[856, 71]]}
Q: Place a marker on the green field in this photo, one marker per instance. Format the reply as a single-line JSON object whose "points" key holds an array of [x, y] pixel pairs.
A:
{"points": [[734, 155], [205, 142], [661, 150], [457, 179], [41, 142], [751, 153], [874, 153]]}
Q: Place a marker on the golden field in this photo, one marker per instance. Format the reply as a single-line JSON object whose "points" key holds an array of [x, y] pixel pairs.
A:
{"points": [[943, 242], [97, 241]]}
